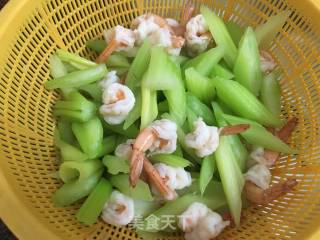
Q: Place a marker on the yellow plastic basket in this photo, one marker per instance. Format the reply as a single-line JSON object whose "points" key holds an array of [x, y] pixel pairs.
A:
{"points": [[30, 30]]}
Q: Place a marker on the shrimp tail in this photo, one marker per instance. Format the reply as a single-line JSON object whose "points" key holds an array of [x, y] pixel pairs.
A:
{"points": [[187, 13], [235, 129], [284, 133], [155, 179], [257, 195], [136, 166], [113, 44]]}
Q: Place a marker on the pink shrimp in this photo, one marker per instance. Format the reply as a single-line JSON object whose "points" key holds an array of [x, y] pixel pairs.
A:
{"points": [[257, 195]]}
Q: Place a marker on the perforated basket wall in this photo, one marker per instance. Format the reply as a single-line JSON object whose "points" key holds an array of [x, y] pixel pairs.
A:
{"points": [[31, 30]]}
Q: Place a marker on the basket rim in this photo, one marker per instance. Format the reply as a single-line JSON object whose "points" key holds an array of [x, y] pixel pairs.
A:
{"points": [[11, 17]]}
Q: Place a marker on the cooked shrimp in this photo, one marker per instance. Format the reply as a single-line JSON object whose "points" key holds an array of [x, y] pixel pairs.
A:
{"points": [[200, 223], [118, 101], [124, 150], [109, 79], [259, 175], [119, 210], [159, 32], [197, 35], [118, 39], [205, 139], [257, 195], [284, 134], [159, 137], [267, 62], [157, 181]]}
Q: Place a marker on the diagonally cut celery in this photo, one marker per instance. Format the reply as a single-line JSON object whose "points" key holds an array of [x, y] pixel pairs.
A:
{"points": [[205, 61], [247, 68], [241, 101], [162, 73], [239, 150], [130, 132], [220, 34], [135, 113], [140, 192], [171, 160], [266, 32], [149, 107], [220, 71], [74, 59], [92, 207], [115, 165], [208, 168], [78, 170], [258, 135], [75, 190], [199, 85], [108, 145], [231, 178], [139, 65], [200, 109]]}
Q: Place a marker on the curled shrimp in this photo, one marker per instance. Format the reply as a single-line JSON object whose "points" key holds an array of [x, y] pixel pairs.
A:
{"points": [[284, 134], [142, 143], [159, 137], [257, 195], [157, 181]]}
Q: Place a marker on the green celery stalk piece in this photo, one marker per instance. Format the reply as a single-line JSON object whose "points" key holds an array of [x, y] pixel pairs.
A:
{"points": [[258, 135], [115, 165], [239, 150], [78, 78], [177, 104], [117, 61], [149, 107], [93, 205], [266, 32], [57, 69], [200, 109], [89, 136], [242, 102], [94, 90], [199, 85], [139, 65], [178, 152], [75, 190], [162, 73], [74, 59], [96, 45], [70, 68], [270, 94], [68, 152], [220, 71], [130, 53], [179, 60], [107, 146], [235, 31], [135, 113], [231, 178], [163, 106], [208, 168], [130, 132], [204, 62], [247, 68], [220, 34], [75, 108], [170, 159], [191, 117], [65, 131], [145, 208], [140, 192], [213, 200], [76, 170]]}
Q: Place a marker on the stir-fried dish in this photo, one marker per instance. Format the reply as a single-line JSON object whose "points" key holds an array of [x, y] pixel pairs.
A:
{"points": [[174, 126]]}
